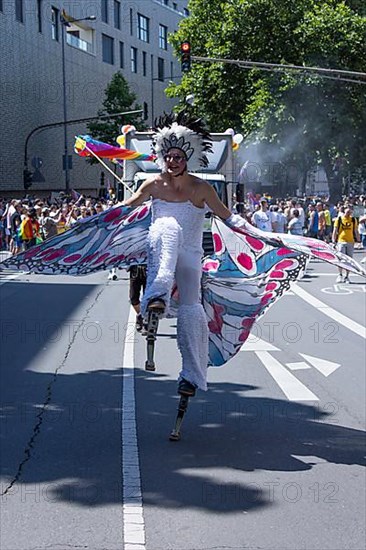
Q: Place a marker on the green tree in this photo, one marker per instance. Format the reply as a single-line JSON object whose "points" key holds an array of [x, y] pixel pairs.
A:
{"points": [[310, 119], [118, 98]]}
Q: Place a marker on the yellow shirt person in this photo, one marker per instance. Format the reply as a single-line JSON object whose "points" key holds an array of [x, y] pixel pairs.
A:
{"points": [[345, 233], [346, 227]]}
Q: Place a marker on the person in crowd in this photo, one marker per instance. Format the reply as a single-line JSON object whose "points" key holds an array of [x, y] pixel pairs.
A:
{"points": [[362, 230], [263, 218], [30, 229], [279, 219], [316, 228], [295, 226], [15, 222], [137, 286], [48, 224], [328, 223], [345, 234]]}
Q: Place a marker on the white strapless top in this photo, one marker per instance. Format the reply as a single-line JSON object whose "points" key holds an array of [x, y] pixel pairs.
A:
{"points": [[189, 217]]}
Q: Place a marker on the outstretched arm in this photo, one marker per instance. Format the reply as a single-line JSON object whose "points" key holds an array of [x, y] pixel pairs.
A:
{"points": [[141, 195], [214, 203]]}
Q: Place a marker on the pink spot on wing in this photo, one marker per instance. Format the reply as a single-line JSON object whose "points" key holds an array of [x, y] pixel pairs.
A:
{"points": [[142, 212], [271, 286], [277, 274], [211, 265], [32, 252], [54, 255], [101, 258], [283, 251], [132, 217], [323, 255], [72, 258], [47, 251], [112, 215], [89, 258], [266, 298], [254, 243], [218, 244], [245, 261], [285, 264]]}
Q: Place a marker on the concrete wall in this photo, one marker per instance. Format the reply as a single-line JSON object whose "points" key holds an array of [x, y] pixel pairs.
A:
{"points": [[31, 90]]}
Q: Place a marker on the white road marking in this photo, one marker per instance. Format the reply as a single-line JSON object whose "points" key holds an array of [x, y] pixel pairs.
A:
{"points": [[256, 344], [300, 365], [330, 312], [291, 386], [133, 516], [322, 365]]}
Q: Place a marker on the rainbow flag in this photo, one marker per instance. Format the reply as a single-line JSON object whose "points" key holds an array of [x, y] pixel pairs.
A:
{"points": [[103, 150]]}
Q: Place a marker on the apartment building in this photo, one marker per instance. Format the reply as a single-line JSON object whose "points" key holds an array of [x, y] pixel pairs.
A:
{"points": [[131, 37]]}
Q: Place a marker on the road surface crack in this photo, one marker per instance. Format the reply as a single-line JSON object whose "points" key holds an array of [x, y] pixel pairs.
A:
{"points": [[39, 417]]}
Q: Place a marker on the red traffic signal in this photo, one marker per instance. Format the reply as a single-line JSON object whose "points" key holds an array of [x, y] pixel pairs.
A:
{"points": [[185, 56]]}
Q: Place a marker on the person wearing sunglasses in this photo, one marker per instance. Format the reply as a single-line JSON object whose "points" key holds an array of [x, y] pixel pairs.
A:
{"points": [[179, 203]]}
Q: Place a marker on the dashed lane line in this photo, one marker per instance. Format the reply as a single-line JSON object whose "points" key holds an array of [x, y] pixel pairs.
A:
{"points": [[133, 517]]}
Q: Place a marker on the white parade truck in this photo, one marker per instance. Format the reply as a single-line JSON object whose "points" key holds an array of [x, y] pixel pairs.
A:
{"points": [[221, 171]]}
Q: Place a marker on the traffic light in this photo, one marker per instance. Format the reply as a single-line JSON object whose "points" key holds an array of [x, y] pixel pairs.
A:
{"points": [[185, 56], [27, 178]]}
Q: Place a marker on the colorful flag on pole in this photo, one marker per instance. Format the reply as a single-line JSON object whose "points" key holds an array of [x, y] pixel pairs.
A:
{"points": [[85, 146]]}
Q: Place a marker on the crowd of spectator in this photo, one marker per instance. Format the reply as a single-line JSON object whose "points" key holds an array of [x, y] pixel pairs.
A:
{"points": [[26, 222], [314, 217], [342, 224]]}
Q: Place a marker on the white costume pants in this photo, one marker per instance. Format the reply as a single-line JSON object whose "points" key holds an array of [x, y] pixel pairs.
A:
{"points": [[169, 259]]}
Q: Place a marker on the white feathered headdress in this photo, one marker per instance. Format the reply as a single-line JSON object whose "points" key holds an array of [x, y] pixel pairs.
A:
{"points": [[179, 131]]}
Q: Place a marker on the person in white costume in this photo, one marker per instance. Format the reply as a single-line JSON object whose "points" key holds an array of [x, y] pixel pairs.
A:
{"points": [[179, 203]]}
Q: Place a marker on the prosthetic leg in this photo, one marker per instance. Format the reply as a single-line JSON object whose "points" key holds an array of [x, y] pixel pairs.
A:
{"points": [[185, 390], [155, 312]]}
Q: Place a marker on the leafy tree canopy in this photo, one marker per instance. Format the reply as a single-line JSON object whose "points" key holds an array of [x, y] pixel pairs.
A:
{"points": [[118, 98], [323, 119]]}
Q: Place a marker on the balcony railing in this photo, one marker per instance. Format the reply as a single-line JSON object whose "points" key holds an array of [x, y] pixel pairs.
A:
{"points": [[83, 45]]}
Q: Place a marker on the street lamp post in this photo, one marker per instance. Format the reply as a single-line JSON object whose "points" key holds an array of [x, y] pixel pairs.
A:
{"points": [[64, 24]]}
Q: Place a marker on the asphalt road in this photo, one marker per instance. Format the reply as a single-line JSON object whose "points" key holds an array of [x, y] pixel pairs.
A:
{"points": [[272, 456]]}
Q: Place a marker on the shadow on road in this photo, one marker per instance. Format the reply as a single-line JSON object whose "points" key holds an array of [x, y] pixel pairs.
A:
{"points": [[76, 457]]}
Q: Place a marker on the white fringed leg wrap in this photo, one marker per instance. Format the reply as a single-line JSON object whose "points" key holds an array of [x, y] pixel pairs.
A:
{"points": [[192, 336], [164, 242]]}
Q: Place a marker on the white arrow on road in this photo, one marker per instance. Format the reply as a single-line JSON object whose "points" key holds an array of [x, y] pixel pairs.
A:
{"points": [[322, 365], [289, 384]]}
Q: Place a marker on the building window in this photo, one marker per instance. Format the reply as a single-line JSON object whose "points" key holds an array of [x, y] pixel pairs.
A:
{"points": [[163, 37], [161, 69], [39, 15], [122, 55], [186, 12], [175, 7], [107, 49], [166, 2], [131, 22], [54, 23], [19, 11], [117, 14], [143, 28], [172, 70], [133, 60], [146, 110], [1, 5], [104, 11], [144, 63]]}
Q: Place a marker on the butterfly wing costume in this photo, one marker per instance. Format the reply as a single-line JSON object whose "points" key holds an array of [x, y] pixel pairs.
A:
{"points": [[247, 274]]}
